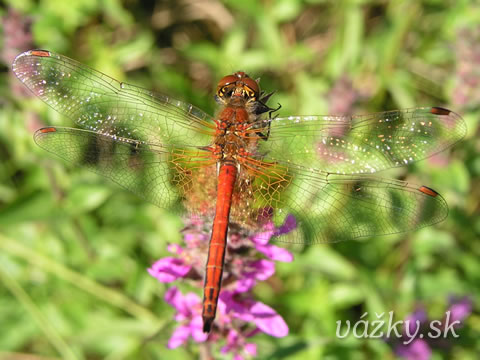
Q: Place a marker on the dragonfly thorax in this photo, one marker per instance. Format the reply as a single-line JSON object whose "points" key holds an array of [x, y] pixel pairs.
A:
{"points": [[233, 133], [229, 146]]}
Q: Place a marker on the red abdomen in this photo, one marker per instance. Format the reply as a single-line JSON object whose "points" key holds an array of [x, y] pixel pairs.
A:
{"points": [[218, 243]]}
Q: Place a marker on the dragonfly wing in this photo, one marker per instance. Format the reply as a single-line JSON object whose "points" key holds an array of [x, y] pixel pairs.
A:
{"points": [[336, 207], [159, 174], [100, 103], [361, 144]]}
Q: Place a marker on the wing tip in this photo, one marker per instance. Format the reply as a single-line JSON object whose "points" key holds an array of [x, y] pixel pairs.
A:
{"points": [[34, 52], [18, 65], [460, 125], [41, 132], [443, 206]]}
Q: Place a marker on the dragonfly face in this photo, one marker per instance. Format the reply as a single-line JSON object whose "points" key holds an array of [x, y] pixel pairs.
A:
{"points": [[244, 164], [237, 85]]}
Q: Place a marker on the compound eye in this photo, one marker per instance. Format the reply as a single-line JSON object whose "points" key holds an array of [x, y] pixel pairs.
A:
{"points": [[251, 85], [226, 80], [226, 85]]}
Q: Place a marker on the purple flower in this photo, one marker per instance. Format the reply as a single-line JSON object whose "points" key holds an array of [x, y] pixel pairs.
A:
{"points": [[417, 324], [418, 349], [415, 320], [263, 316], [169, 269], [267, 320], [236, 344], [460, 308], [288, 225], [239, 316], [273, 252], [188, 314], [255, 270]]}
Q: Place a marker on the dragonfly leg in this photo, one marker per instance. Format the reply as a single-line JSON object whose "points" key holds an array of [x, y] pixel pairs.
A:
{"points": [[270, 118]]}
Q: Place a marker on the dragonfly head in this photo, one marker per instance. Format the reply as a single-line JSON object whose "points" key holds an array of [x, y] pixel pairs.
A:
{"points": [[237, 86]]}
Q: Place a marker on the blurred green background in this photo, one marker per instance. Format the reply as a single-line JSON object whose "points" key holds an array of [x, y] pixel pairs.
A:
{"points": [[74, 248]]}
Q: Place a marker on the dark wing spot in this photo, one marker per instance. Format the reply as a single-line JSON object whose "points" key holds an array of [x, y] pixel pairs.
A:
{"points": [[428, 191], [440, 111], [42, 53], [48, 130]]}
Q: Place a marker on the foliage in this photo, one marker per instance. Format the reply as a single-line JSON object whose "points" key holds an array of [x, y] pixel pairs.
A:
{"points": [[74, 249]]}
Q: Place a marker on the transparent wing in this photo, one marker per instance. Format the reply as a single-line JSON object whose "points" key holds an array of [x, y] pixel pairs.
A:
{"points": [[360, 144], [160, 174], [336, 207], [316, 168], [99, 103]]}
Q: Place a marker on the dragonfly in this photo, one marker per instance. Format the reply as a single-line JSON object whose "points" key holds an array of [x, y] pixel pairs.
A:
{"points": [[246, 166]]}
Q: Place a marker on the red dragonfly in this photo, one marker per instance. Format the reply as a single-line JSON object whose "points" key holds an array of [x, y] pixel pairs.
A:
{"points": [[244, 166]]}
